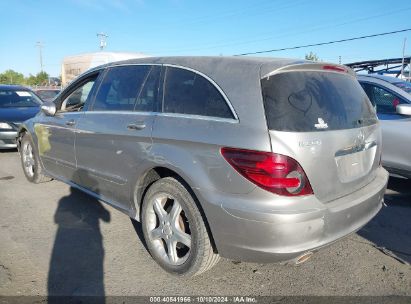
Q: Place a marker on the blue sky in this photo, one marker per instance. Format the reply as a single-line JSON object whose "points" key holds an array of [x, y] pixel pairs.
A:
{"points": [[183, 27]]}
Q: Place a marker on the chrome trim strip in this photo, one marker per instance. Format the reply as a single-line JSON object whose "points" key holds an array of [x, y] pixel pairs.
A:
{"points": [[199, 117], [58, 127], [59, 161], [355, 149], [179, 115], [129, 64], [121, 112], [118, 180], [230, 106], [100, 197]]}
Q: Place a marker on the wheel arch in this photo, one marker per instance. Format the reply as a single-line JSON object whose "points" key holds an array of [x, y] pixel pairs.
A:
{"points": [[23, 130], [152, 175]]}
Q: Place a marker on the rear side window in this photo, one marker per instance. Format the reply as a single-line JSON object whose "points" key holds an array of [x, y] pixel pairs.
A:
{"points": [[147, 99], [187, 92], [314, 101], [120, 88]]}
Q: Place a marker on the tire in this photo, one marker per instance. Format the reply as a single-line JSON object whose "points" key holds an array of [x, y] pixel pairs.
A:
{"points": [[30, 161], [174, 230]]}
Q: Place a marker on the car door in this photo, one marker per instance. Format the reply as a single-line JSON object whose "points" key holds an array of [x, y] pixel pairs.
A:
{"points": [[56, 134], [114, 135], [394, 128]]}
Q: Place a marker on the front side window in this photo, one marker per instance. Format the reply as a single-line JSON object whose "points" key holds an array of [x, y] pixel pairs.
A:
{"points": [[120, 88], [18, 99], [76, 100], [187, 92], [383, 100]]}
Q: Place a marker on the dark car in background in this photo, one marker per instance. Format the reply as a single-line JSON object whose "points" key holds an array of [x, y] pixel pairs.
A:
{"points": [[17, 104], [47, 94]]}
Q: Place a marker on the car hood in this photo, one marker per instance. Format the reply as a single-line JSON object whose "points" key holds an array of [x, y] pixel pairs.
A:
{"points": [[17, 114]]}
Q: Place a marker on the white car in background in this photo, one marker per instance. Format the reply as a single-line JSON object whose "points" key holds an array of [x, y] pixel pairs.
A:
{"points": [[392, 99]]}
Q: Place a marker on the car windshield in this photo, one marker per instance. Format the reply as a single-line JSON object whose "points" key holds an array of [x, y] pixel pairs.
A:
{"points": [[405, 86], [47, 94], [18, 99]]}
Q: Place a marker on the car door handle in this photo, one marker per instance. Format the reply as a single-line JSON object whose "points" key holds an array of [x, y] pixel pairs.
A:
{"points": [[70, 122], [136, 126]]}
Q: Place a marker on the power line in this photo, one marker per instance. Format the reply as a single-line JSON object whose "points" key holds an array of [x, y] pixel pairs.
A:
{"points": [[324, 43], [312, 29], [258, 7]]}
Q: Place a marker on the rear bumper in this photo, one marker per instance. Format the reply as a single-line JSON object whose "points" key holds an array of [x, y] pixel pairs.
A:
{"points": [[398, 172], [8, 139], [279, 234]]}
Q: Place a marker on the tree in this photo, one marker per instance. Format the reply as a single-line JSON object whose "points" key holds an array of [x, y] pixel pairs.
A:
{"points": [[12, 77], [312, 56], [3, 78], [31, 80], [42, 78]]}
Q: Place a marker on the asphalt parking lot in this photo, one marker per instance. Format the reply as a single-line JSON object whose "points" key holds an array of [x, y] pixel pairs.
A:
{"points": [[58, 241]]}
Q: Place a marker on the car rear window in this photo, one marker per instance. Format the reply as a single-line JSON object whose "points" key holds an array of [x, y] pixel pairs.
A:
{"points": [[315, 101]]}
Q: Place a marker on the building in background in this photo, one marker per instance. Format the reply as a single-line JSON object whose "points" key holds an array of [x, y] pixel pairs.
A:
{"points": [[75, 65]]}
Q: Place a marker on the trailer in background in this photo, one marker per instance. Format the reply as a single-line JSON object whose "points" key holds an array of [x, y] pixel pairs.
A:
{"points": [[75, 65], [391, 67]]}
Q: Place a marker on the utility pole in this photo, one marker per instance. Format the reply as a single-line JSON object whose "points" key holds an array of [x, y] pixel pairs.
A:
{"points": [[40, 45], [103, 40], [403, 55], [339, 59]]}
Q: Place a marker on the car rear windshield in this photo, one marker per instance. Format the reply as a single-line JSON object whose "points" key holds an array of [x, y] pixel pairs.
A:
{"points": [[18, 99], [315, 101]]}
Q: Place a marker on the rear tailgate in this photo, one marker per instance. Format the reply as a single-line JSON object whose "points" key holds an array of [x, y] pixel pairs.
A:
{"points": [[322, 118]]}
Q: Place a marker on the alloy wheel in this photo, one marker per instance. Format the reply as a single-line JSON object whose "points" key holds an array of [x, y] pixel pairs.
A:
{"points": [[168, 229], [28, 159]]}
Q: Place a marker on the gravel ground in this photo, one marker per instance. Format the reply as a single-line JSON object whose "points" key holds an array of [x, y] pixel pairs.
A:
{"points": [[58, 241]]}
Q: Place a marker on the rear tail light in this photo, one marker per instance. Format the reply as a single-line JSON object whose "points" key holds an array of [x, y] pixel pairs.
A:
{"points": [[276, 173], [335, 68]]}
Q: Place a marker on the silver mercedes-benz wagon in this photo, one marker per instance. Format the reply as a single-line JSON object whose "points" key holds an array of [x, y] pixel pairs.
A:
{"points": [[252, 159]]}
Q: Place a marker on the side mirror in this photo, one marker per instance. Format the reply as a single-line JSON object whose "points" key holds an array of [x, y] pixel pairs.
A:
{"points": [[404, 109], [49, 108]]}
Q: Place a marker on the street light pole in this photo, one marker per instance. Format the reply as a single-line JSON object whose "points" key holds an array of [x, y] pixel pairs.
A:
{"points": [[40, 46], [403, 55], [103, 38]]}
